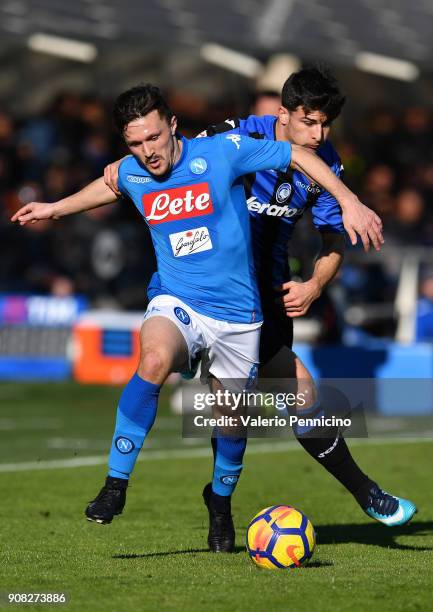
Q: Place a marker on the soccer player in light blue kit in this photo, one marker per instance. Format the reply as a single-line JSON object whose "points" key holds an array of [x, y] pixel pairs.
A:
{"points": [[276, 200], [191, 195]]}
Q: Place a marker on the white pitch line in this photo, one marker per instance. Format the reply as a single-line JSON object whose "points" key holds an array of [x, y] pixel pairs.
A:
{"points": [[190, 453]]}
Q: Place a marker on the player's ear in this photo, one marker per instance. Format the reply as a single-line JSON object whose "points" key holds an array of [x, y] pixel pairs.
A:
{"points": [[173, 125], [283, 115]]}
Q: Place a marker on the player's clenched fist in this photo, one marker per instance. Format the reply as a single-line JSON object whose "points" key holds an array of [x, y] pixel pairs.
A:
{"points": [[33, 212]]}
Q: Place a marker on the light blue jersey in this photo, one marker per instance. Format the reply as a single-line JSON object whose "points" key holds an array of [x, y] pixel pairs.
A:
{"points": [[199, 221]]}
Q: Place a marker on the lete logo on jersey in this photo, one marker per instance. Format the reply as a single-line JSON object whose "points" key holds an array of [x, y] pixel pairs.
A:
{"points": [[190, 242], [179, 203]]}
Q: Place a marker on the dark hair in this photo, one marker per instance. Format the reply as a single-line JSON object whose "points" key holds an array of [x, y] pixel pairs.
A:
{"points": [[137, 102], [315, 89]]}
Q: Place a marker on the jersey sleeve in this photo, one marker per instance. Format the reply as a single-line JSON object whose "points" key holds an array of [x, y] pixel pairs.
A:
{"points": [[121, 182], [245, 155], [326, 211], [229, 125]]}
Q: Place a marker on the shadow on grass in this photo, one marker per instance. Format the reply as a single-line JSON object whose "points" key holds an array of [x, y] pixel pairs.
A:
{"points": [[373, 533], [238, 549], [167, 553]]}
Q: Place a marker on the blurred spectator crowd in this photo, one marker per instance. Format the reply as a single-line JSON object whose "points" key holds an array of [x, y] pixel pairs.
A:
{"points": [[106, 254]]}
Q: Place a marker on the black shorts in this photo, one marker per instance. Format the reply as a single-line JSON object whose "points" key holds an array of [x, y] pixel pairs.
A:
{"points": [[276, 332]]}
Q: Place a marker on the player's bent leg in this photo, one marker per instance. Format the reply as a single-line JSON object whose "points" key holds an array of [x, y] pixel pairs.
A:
{"points": [[163, 350], [228, 452], [330, 450], [233, 360]]}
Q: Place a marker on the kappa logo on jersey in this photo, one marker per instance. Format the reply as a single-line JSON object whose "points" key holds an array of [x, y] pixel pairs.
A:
{"points": [[198, 165], [138, 179], [236, 140], [180, 203], [190, 242], [283, 192], [272, 210], [182, 315], [124, 445]]}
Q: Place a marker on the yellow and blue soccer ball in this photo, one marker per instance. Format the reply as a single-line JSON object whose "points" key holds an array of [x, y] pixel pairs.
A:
{"points": [[280, 537]]}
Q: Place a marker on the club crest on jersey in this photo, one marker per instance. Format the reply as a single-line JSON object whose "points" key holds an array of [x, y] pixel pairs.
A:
{"points": [[175, 204], [124, 445], [283, 193], [198, 165], [191, 241], [182, 315]]}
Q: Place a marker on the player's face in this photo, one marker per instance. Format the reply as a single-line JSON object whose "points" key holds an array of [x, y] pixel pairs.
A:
{"points": [[304, 128], [152, 140]]}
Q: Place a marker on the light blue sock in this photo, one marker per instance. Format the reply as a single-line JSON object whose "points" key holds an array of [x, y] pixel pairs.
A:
{"points": [[136, 414], [228, 455]]}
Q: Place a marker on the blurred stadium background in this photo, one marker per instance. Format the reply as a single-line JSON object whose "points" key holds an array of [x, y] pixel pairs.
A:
{"points": [[72, 292]]}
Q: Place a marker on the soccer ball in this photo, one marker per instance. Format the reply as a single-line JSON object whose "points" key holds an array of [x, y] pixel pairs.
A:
{"points": [[280, 537]]}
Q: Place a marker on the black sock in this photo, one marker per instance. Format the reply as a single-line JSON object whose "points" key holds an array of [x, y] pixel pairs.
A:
{"points": [[116, 483], [221, 503], [332, 452]]}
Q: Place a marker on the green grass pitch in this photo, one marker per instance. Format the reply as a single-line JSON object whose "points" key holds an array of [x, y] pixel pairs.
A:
{"points": [[154, 556]]}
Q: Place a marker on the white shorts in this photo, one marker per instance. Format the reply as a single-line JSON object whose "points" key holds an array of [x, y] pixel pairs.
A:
{"points": [[230, 351]]}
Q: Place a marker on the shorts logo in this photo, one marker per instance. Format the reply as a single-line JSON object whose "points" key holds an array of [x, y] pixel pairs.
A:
{"points": [[190, 241], [252, 376], [198, 165], [182, 315], [138, 179], [229, 479], [283, 192], [124, 445], [180, 203]]}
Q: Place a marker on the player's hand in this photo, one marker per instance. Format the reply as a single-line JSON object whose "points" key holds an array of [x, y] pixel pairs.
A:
{"points": [[361, 220], [298, 297], [33, 212], [111, 174]]}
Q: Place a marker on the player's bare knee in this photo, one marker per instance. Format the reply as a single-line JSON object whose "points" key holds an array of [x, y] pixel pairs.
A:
{"points": [[306, 395], [153, 366]]}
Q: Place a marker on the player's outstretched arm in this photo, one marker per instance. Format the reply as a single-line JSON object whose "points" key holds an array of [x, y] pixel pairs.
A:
{"points": [[357, 218], [298, 297], [94, 195]]}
